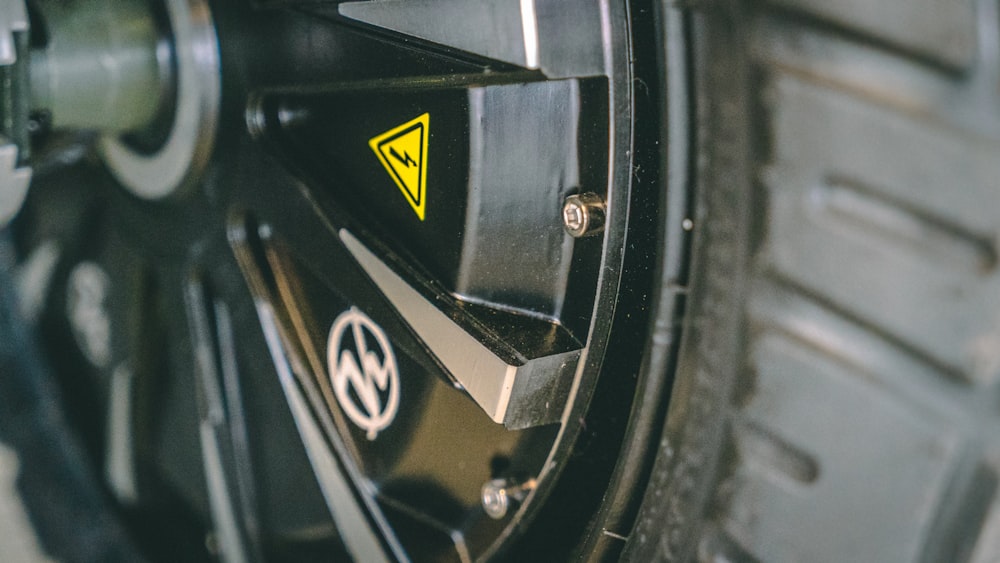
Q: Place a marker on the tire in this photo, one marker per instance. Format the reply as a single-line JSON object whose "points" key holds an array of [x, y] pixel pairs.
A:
{"points": [[813, 213], [833, 399]]}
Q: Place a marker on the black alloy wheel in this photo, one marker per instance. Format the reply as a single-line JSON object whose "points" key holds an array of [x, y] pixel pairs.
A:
{"points": [[396, 310]]}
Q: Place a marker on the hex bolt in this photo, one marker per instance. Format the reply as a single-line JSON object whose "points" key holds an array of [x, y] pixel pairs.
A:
{"points": [[499, 494], [583, 214]]}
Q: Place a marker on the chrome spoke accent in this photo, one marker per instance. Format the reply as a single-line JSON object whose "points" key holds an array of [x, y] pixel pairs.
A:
{"points": [[500, 387], [120, 450], [554, 36], [510, 35]]}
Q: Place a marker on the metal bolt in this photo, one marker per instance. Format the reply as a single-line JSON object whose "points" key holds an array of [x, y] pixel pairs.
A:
{"points": [[583, 214], [499, 494]]}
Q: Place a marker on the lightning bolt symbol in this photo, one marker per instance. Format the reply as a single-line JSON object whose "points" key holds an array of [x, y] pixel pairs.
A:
{"points": [[366, 380], [405, 159]]}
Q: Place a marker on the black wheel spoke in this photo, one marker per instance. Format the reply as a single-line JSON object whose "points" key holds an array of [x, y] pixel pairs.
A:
{"points": [[298, 365]]}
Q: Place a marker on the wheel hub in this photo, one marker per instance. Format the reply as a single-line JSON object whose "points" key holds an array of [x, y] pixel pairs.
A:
{"points": [[145, 76]]}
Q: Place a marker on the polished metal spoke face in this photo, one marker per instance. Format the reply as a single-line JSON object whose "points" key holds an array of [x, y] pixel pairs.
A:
{"points": [[507, 390], [373, 328]]}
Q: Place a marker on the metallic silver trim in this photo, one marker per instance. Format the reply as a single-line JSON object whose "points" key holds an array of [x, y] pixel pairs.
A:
{"points": [[120, 453], [489, 380], [529, 26], [186, 152], [554, 36]]}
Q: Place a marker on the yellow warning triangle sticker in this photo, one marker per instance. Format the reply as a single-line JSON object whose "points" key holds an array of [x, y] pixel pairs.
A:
{"points": [[403, 152]]}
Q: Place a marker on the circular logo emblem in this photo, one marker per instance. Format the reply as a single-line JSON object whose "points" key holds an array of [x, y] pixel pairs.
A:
{"points": [[363, 371]]}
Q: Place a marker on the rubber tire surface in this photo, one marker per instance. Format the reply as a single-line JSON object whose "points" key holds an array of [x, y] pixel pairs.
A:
{"points": [[836, 395]]}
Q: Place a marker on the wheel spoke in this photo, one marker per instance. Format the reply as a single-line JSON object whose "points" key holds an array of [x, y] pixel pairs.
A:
{"points": [[363, 529], [554, 36], [494, 29], [223, 434], [518, 392], [349, 514]]}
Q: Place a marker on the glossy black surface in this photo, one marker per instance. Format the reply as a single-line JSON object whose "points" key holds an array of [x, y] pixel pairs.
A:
{"points": [[303, 95]]}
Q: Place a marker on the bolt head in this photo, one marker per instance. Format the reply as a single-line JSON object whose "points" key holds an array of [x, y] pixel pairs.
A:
{"points": [[496, 503], [583, 215]]}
